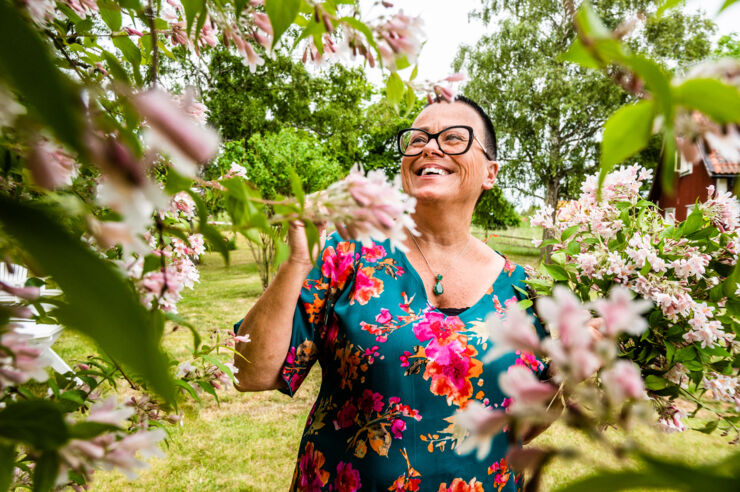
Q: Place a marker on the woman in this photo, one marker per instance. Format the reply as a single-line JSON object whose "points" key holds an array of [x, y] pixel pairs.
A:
{"points": [[399, 337]]}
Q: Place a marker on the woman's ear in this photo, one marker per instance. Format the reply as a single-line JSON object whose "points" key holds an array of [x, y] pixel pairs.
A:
{"points": [[491, 173]]}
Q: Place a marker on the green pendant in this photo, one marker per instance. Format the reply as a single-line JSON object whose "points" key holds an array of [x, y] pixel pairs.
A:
{"points": [[438, 289]]}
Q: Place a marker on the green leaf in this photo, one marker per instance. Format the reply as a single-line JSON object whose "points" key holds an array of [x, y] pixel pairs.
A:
{"points": [[693, 222], [38, 423], [626, 132], [176, 182], [573, 248], [726, 4], [590, 22], [110, 13], [88, 430], [719, 101], [219, 364], [654, 382], [709, 427], [312, 237], [577, 53], [210, 233], [99, 302], [115, 67], [186, 386], [569, 232], [176, 318], [129, 49], [667, 5], [208, 389], [282, 13], [296, 187], [46, 471], [192, 8], [25, 63], [557, 272], [656, 80], [362, 27], [7, 463], [394, 88]]}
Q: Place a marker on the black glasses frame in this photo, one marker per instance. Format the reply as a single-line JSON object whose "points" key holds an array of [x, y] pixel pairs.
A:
{"points": [[435, 137]]}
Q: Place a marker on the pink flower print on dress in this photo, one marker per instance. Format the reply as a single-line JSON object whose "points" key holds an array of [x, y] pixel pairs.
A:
{"points": [[347, 479], [397, 428], [373, 253]]}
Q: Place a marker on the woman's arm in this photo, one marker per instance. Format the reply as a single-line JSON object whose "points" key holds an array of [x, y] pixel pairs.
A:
{"points": [[269, 323]]}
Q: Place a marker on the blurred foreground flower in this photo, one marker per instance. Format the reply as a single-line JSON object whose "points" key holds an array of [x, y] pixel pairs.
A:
{"points": [[110, 449], [19, 360], [365, 208]]}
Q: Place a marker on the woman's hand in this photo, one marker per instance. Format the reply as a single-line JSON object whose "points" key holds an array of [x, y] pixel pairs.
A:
{"points": [[299, 244]]}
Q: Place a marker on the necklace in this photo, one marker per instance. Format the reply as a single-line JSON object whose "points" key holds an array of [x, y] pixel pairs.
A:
{"points": [[438, 290]]}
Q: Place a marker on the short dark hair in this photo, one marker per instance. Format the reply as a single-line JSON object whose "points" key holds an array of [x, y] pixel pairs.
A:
{"points": [[490, 136]]}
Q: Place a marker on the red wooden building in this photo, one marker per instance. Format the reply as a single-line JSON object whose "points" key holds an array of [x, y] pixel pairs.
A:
{"points": [[692, 181]]}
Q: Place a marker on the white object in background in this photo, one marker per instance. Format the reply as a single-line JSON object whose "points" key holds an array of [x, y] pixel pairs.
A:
{"points": [[43, 337]]}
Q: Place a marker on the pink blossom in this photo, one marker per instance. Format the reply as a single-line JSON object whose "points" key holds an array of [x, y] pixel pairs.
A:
{"points": [[543, 217], [345, 416], [623, 381], [370, 401], [514, 332], [587, 262], [108, 412], [679, 375], [174, 126], [384, 317], [236, 170], [132, 32], [722, 209], [670, 420], [481, 424], [565, 317], [50, 166], [524, 388], [29, 293], [366, 208], [722, 387], [347, 479], [243, 338], [397, 428], [621, 313], [20, 361]]}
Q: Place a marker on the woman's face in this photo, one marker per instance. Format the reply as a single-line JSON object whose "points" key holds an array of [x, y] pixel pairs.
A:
{"points": [[463, 176]]}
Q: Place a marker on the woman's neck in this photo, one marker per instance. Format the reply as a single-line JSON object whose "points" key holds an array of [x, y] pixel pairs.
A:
{"points": [[441, 229]]}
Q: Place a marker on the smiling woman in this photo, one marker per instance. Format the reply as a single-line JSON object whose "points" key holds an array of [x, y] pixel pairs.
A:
{"points": [[397, 335]]}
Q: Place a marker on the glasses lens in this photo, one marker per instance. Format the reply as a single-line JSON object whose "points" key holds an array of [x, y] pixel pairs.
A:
{"points": [[413, 141], [454, 140]]}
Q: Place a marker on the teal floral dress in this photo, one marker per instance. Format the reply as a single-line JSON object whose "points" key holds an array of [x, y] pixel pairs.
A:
{"points": [[394, 370]]}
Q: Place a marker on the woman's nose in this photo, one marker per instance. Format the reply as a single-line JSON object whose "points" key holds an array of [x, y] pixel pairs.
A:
{"points": [[432, 147]]}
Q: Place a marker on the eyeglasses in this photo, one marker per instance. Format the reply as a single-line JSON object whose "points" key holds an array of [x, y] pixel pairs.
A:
{"points": [[454, 140]]}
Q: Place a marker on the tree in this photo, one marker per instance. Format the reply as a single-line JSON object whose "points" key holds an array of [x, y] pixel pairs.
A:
{"points": [[282, 93], [494, 211], [549, 113]]}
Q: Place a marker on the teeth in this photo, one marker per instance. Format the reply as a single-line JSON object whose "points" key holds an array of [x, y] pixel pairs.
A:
{"points": [[432, 170]]}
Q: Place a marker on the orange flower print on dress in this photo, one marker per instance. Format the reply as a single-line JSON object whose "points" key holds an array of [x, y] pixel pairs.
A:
{"points": [[366, 286], [460, 485], [501, 473], [409, 480], [311, 477]]}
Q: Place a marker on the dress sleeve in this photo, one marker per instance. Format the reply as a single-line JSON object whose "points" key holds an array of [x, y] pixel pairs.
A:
{"points": [[331, 275]]}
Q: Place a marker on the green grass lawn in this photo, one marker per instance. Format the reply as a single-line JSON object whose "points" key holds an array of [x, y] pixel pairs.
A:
{"points": [[250, 440]]}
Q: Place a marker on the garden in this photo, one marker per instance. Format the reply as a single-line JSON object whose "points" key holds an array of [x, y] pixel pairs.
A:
{"points": [[155, 153]]}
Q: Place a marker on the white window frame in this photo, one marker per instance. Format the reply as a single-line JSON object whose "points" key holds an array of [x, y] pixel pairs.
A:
{"points": [[669, 214], [682, 166]]}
